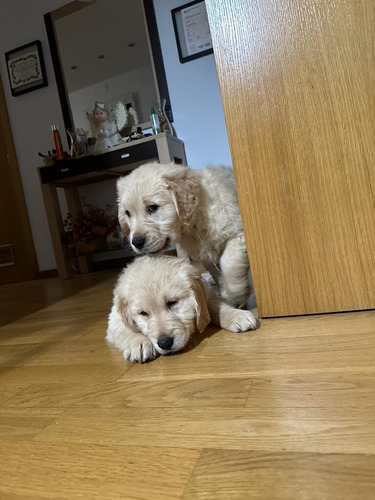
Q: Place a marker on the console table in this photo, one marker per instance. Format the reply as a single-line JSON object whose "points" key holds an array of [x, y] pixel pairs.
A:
{"points": [[70, 174]]}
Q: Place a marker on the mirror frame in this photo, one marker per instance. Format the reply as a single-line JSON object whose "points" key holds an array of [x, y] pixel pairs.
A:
{"points": [[157, 61]]}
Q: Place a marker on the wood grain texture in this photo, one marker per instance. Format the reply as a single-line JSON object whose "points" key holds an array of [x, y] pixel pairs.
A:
{"points": [[24, 424], [223, 392], [286, 412], [264, 352], [44, 471], [297, 85], [222, 475], [20, 301], [297, 430]]}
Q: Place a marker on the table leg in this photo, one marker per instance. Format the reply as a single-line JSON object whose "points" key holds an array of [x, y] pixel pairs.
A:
{"points": [[56, 227]]}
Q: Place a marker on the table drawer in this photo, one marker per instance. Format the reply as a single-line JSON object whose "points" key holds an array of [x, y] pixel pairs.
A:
{"points": [[64, 169], [137, 153]]}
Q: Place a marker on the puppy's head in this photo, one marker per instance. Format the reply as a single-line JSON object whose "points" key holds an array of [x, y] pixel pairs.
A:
{"points": [[154, 203], [164, 299]]}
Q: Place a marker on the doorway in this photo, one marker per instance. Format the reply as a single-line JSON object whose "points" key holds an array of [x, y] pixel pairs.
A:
{"points": [[17, 254]]}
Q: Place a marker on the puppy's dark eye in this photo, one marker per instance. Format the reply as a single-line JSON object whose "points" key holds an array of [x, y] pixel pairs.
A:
{"points": [[143, 313], [151, 209], [171, 303], [127, 213]]}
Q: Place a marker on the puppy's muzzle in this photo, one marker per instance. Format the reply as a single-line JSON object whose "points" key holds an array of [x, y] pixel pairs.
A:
{"points": [[166, 343]]}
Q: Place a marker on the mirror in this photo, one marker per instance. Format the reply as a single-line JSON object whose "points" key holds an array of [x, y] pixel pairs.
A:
{"points": [[107, 51]]}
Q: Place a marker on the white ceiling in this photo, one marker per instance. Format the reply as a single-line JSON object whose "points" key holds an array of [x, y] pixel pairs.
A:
{"points": [[103, 27]]}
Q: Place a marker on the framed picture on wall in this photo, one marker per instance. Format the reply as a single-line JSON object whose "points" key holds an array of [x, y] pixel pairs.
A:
{"points": [[192, 31], [26, 68]]}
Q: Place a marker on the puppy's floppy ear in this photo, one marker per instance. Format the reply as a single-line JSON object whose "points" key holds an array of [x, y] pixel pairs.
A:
{"points": [[184, 184], [122, 308], [120, 187], [203, 316], [125, 230]]}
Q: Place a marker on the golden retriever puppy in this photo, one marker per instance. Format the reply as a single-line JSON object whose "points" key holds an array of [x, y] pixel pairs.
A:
{"points": [[161, 205], [158, 303]]}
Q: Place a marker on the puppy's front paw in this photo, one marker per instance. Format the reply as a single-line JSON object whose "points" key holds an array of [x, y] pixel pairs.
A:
{"points": [[140, 351], [239, 320]]}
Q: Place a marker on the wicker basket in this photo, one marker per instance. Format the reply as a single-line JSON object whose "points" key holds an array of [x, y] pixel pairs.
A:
{"points": [[91, 247]]}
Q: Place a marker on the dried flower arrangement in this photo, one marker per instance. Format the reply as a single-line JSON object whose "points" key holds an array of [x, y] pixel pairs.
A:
{"points": [[87, 231]]}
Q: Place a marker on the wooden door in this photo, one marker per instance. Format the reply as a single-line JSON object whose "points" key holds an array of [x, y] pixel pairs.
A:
{"points": [[297, 83], [17, 254]]}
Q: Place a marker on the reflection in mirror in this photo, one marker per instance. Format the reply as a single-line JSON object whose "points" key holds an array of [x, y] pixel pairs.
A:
{"points": [[106, 51]]}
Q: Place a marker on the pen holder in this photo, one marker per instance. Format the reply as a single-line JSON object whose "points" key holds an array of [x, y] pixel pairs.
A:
{"points": [[48, 160]]}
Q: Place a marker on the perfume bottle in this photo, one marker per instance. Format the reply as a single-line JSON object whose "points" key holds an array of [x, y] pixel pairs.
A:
{"points": [[155, 124], [57, 141]]}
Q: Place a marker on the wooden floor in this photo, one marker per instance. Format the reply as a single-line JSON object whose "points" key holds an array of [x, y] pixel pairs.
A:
{"points": [[286, 412]]}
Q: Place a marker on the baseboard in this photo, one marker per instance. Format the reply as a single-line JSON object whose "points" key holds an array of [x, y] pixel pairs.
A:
{"points": [[49, 273]]}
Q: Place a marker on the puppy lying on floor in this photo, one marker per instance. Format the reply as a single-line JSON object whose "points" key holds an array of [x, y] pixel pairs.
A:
{"points": [[161, 205], [158, 303]]}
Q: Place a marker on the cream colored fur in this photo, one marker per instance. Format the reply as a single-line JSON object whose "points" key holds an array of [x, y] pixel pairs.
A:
{"points": [[197, 210], [156, 298]]}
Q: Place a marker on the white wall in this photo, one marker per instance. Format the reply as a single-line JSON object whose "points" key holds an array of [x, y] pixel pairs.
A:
{"points": [[193, 90]]}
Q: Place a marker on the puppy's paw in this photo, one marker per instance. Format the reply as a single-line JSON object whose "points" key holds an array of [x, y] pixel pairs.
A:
{"points": [[239, 320], [140, 351]]}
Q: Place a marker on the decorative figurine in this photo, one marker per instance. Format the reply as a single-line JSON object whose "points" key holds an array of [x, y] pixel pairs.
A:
{"points": [[106, 124], [132, 120]]}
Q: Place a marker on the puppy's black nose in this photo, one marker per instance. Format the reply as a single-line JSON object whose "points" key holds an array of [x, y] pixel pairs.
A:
{"points": [[139, 242], [165, 343]]}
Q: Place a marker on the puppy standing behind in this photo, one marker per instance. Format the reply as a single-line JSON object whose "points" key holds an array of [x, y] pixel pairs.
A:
{"points": [[161, 205], [158, 303]]}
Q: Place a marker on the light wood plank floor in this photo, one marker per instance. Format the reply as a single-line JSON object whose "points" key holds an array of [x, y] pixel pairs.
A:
{"points": [[287, 412]]}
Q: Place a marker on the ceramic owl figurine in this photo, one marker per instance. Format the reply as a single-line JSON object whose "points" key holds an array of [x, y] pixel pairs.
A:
{"points": [[106, 124]]}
